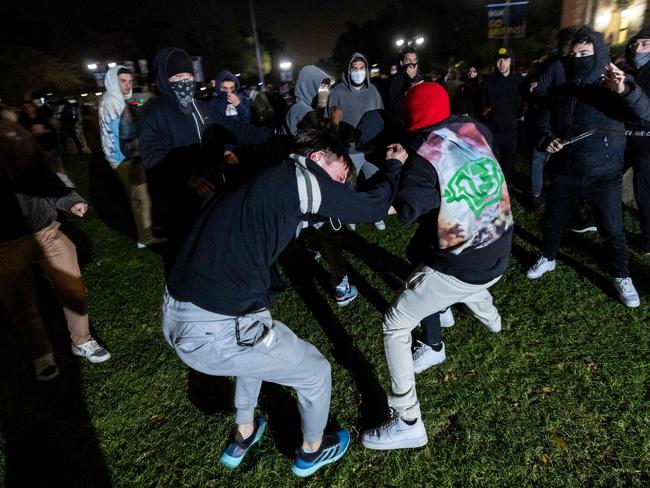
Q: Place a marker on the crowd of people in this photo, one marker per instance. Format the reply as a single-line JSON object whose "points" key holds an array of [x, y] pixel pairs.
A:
{"points": [[232, 196]]}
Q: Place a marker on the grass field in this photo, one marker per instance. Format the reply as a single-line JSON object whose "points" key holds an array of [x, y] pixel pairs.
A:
{"points": [[559, 398]]}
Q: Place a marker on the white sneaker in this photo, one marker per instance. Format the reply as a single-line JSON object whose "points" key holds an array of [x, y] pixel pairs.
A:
{"points": [[424, 357], [395, 434], [494, 327], [447, 318], [627, 292], [152, 242], [380, 225], [541, 267], [92, 351], [46, 368], [351, 227]]}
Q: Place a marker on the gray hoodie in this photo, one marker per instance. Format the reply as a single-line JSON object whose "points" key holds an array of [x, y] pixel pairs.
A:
{"points": [[309, 81], [354, 102]]}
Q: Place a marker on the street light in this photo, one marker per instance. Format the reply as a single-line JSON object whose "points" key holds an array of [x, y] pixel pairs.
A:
{"points": [[399, 42], [285, 65], [92, 66], [112, 65], [419, 41]]}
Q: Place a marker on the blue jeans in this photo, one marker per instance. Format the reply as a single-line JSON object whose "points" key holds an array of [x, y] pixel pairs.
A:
{"points": [[537, 171]]}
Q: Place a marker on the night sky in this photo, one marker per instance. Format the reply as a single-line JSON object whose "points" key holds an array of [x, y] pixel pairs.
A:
{"points": [[308, 28]]}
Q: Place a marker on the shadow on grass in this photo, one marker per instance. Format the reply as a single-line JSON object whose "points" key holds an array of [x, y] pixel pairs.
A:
{"points": [[305, 280], [49, 439]]}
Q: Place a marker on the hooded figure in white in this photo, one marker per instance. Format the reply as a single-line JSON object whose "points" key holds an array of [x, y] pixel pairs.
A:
{"points": [[111, 107]]}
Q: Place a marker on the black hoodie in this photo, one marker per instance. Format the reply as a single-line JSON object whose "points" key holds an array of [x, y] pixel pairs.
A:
{"points": [[503, 94], [580, 104], [637, 94], [165, 127]]}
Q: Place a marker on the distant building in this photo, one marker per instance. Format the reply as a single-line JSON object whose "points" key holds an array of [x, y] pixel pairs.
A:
{"points": [[616, 19]]}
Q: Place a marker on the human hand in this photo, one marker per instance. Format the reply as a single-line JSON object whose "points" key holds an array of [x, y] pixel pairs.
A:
{"points": [[230, 157], [396, 151], [233, 99], [202, 186], [79, 209], [336, 115], [532, 87], [554, 146], [412, 70], [614, 78]]}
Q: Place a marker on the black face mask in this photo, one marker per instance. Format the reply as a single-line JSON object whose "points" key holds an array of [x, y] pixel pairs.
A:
{"points": [[582, 67], [184, 91]]}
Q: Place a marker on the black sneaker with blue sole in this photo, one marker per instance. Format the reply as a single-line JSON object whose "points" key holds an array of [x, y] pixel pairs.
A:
{"points": [[237, 447], [331, 450]]}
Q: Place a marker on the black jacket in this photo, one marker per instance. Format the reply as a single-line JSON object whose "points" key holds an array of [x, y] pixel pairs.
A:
{"points": [[579, 105], [636, 98], [226, 263], [399, 85], [165, 128], [419, 199], [503, 95]]}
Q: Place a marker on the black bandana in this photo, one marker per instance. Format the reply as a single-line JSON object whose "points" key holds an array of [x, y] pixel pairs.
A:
{"points": [[184, 91]]}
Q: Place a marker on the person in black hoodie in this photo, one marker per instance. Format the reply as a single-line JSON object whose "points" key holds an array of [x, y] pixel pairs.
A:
{"points": [[215, 312], [170, 138], [455, 189], [634, 91], [502, 107], [590, 168], [409, 74]]}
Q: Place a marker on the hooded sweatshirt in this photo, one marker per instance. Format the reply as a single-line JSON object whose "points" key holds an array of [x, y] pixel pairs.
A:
{"points": [[581, 104], [165, 127], [220, 103], [111, 107], [307, 85], [503, 94], [636, 97], [355, 101], [453, 186]]}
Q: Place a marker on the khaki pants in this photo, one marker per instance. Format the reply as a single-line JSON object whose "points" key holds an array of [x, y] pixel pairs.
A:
{"points": [[56, 255], [132, 175], [426, 291]]}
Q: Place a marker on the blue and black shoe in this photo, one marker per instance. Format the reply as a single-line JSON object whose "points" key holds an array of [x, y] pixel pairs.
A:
{"points": [[237, 447], [331, 450]]}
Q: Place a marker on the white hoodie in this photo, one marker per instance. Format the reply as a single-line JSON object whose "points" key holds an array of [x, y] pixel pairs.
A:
{"points": [[111, 107]]}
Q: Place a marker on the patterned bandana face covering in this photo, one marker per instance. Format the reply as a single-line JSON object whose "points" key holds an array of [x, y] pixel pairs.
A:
{"points": [[184, 91]]}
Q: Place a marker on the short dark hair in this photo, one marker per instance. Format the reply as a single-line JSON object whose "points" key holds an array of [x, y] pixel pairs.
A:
{"points": [[359, 58], [581, 39], [405, 51], [124, 71], [313, 140]]}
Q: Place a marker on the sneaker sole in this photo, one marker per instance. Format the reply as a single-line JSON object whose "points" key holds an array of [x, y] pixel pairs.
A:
{"points": [[532, 276], [53, 376], [347, 301], [418, 371], [303, 473], [585, 230], [231, 462], [632, 304], [410, 444], [93, 359]]}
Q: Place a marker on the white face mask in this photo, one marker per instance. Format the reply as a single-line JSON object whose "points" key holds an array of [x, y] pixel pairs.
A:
{"points": [[358, 77]]}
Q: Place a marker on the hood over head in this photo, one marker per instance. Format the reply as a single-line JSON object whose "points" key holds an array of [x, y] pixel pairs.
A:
{"points": [[309, 80], [424, 105], [346, 76], [225, 75], [644, 33], [170, 59], [112, 84], [600, 57]]}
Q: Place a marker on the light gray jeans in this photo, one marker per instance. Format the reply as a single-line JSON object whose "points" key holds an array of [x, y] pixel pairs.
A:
{"points": [[214, 344], [426, 291]]}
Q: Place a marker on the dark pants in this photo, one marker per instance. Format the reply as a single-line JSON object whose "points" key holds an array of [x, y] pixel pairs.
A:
{"points": [[331, 242], [603, 194], [642, 195], [505, 150], [417, 252]]}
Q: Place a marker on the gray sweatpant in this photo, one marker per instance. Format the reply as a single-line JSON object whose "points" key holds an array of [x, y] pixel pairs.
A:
{"points": [[208, 342]]}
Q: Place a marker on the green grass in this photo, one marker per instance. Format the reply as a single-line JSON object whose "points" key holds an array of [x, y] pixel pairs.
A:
{"points": [[558, 398]]}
